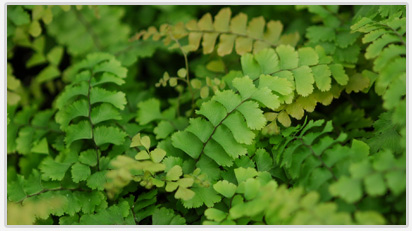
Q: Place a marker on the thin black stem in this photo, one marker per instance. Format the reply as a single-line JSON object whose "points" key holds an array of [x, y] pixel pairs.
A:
{"points": [[189, 86]]}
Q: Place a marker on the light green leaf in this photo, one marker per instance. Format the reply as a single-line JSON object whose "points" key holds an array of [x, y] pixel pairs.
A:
{"points": [[339, 74], [243, 174], [174, 173], [322, 75], [348, 189], [225, 188], [145, 141], [215, 214], [157, 155], [48, 73], [288, 57], [41, 147], [304, 80], [307, 56], [184, 194], [142, 155], [268, 61]]}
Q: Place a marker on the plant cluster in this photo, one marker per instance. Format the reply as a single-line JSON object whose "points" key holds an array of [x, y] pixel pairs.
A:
{"points": [[173, 115]]}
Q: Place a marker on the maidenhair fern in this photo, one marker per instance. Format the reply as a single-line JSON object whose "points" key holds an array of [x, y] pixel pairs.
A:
{"points": [[233, 32], [257, 115]]}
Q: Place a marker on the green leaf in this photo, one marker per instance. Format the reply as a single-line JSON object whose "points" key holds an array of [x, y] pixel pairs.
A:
{"points": [[377, 46], [375, 185], [142, 155], [243, 174], [225, 188], [348, 189], [88, 157], [304, 80], [80, 172], [239, 128], [203, 196], [252, 187], [79, 108], [369, 218], [268, 61], [339, 74], [112, 135], [322, 76], [111, 66], [215, 214], [263, 160], [15, 191], [201, 128], [114, 215], [396, 181], [100, 95], [104, 112], [97, 180], [288, 57], [279, 85], [53, 170], [307, 56], [157, 155], [18, 15], [193, 149], [213, 111], [320, 33], [163, 129], [184, 194], [149, 111], [70, 92], [253, 115], [55, 55], [174, 173], [41, 147], [49, 73], [164, 216], [145, 141]]}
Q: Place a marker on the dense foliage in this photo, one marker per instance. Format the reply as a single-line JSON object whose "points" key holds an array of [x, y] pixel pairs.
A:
{"points": [[134, 115]]}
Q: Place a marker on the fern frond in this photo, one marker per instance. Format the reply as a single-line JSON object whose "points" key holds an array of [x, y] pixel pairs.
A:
{"points": [[387, 49], [292, 76], [73, 29], [234, 32], [334, 34], [228, 124], [259, 200]]}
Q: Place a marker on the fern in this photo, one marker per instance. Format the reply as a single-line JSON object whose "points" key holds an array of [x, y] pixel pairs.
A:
{"points": [[259, 200], [88, 38], [334, 34], [387, 49], [230, 120], [292, 76], [261, 127], [232, 32]]}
